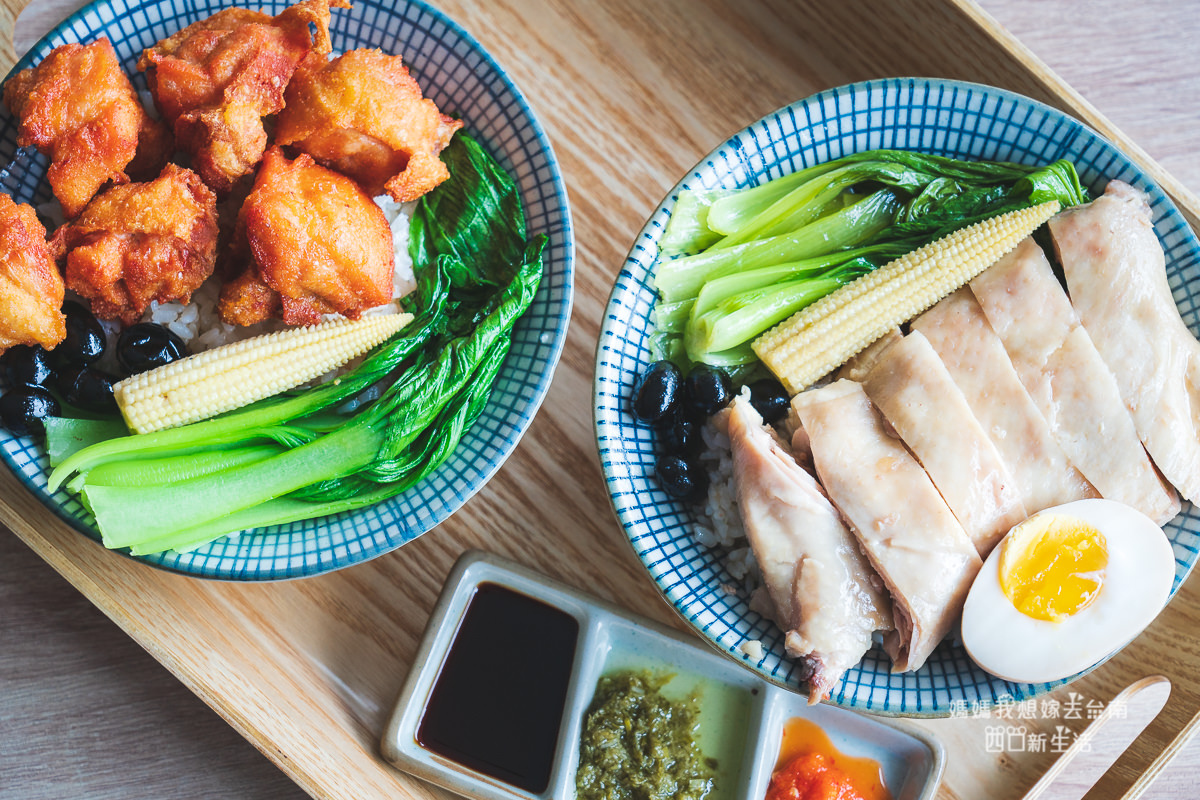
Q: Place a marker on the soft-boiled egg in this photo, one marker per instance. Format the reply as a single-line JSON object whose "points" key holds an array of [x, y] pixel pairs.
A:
{"points": [[1064, 589]]}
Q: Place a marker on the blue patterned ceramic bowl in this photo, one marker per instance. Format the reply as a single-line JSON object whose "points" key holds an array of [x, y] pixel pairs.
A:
{"points": [[944, 117], [465, 81]]}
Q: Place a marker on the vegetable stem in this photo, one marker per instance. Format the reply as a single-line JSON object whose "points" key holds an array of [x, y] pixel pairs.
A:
{"points": [[753, 254], [681, 278], [172, 469], [126, 514]]}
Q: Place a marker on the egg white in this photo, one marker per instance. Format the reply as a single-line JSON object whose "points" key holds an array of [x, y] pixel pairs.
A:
{"points": [[1137, 584]]}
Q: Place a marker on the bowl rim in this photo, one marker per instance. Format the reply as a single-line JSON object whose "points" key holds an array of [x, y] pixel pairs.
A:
{"points": [[562, 227], [648, 236]]}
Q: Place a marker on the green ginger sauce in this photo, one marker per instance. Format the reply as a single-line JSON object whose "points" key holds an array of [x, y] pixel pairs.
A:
{"points": [[637, 744]]}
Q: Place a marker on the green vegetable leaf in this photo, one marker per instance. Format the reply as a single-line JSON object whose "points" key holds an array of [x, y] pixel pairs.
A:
{"points": [[681, 278], [475, 218]]}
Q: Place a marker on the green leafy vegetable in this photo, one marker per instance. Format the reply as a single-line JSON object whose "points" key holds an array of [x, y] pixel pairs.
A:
{"points": [[733, 263], [68, 435], [474, 220], [733, 310]]}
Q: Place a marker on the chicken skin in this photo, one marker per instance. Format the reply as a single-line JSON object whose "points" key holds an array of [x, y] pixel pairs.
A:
{"points": [[140, 242], [217, 79], [78, 107], [363, 115], [31, 290], [312, 242]]}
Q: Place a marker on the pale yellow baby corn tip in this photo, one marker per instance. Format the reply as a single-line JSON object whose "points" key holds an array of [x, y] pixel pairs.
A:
{"points": [[240, 373], [821, 337]]}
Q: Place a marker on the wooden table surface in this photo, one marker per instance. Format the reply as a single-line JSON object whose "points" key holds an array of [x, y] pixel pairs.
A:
{"points": [[85, 712]]}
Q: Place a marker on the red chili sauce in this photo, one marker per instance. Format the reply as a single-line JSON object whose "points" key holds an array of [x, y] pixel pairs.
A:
{"points": [[811, 768]]}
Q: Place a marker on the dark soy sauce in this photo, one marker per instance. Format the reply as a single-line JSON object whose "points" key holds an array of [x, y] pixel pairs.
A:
{"points": [[498, 700]]}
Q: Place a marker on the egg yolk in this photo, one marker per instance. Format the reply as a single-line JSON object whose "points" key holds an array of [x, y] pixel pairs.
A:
{"points": [[1052, 566]]}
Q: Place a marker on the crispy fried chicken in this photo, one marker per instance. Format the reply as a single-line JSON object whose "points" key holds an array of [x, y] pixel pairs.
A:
{"points": [[217, 79], [363, 115], [78, 107], [312, 242], [31, 290], [140, 242]]}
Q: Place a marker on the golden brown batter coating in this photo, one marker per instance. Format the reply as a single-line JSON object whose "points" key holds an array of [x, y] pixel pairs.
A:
{"points": [[78, 107], [363, 115], [140, 242], [215, 80], [246, 300], [31, 290], [315, 244]]}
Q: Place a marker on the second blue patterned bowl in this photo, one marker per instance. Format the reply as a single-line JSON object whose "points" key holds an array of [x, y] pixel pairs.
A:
{"points": [[948, 118]]}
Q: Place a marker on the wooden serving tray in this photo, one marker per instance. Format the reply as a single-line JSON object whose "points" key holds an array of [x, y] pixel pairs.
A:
{"points": [[631, 94]]}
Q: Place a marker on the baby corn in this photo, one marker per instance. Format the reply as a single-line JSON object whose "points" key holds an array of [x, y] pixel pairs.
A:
{"points": [[237, 374], [824, 335]]}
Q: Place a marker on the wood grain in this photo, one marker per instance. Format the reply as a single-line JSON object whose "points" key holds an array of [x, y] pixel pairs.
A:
{"points": [[631, 94]]}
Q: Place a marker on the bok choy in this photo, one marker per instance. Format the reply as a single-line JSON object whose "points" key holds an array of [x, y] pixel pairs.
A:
{"points": [[734, 263]]}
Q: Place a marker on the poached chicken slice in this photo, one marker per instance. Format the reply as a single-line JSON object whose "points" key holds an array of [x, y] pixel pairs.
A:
{"points": [[826, 597], [975, 358], [1117, 279], [913, 389], [1068, 380], [902, 524]]}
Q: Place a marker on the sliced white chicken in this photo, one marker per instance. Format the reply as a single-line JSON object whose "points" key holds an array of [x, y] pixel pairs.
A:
{"points": [[825, 594], [859, 366], [1068, 380], [903, 525], [917, 396], [975, 358], [1116, 275]]}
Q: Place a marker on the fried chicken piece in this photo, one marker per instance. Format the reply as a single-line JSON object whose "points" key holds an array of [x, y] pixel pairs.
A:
{"points": [[156, 145], [217, 79], [363, 115], [314, 242], [140, 242], [246, 300], [78, 107], [31, 290]]}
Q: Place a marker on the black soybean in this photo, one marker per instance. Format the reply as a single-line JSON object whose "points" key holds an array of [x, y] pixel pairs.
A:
{"points": [[657, 393], [26, 364], [682, 436], [84, 343], [24, 409], [682, 479], [769, 399], [708, 389], [146, 345], [88, 388]]}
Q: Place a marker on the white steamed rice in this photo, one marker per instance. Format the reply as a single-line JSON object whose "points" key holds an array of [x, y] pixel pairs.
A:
{"points": [[718, 520]]}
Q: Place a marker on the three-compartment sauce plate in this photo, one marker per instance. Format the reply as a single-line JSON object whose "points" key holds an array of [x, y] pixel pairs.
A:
{"points": [[497, 701]]}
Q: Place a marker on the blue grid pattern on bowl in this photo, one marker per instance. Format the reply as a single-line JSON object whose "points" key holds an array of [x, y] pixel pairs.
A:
{"points": [[943, 117], [465, 81]]}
